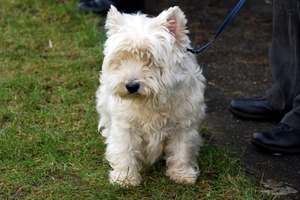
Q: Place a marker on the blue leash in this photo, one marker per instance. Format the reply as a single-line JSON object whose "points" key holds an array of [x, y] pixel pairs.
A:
{"points": [[225, 23]]}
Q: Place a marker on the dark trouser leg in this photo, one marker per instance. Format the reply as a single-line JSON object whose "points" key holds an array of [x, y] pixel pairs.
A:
{"points": [[284, 57], [292, 118]]}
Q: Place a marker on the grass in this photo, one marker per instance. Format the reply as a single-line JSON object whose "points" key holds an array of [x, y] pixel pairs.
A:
{"points": [[50, 58]]}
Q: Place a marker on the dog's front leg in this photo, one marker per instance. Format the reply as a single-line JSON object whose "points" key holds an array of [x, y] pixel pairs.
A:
{"points": [[119, 153], [182, 151]]}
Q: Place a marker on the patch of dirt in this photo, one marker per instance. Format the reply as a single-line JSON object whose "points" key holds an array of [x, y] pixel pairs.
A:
{"points": [[236, 65]]}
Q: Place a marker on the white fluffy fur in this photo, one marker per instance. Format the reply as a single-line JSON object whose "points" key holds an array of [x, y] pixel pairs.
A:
{"points": [[163, 116]]}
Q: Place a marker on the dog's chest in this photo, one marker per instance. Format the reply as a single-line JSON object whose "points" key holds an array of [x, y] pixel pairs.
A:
{"points": [[152, 134], [149, 122]]}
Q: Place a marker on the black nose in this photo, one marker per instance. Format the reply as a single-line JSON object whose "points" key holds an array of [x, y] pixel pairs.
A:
{"points": [[132, 87]]}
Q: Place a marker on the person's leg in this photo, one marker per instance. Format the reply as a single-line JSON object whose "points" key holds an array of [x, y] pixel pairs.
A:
{"points": [[285, 95], [284, 61], [293, 117], [284, 57]]}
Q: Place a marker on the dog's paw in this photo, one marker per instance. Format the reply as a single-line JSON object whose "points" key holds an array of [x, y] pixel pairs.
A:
{"points": [[124, 179], [189, 177]]}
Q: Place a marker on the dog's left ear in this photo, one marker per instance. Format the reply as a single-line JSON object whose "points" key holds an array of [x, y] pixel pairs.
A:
{"points": [[114, 20], [174, 20]]}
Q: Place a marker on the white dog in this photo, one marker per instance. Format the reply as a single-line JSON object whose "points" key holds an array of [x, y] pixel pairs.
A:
{"points": [[151, 96]]}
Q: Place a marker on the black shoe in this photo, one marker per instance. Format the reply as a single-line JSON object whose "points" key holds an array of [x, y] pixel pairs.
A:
{"points": [[95, 6], [254, 109], [280, 139]]}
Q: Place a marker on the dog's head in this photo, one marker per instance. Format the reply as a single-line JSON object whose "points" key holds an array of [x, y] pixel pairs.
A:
{"points": [[144, 56]]}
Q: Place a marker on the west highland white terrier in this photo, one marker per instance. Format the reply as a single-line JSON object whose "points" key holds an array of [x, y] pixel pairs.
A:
{"points": [[151, 96]]}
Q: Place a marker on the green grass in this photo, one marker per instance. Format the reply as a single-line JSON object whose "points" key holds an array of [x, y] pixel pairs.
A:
{"points": [[50, 58]]}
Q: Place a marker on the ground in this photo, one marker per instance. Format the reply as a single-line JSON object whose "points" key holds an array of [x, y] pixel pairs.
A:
{"points": [[236, 65]]}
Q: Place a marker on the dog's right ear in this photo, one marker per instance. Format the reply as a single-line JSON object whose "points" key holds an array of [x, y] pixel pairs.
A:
{"points": [[175, 22], [114, 20]]}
